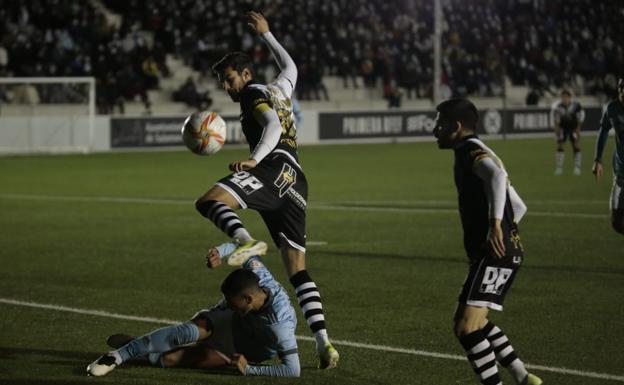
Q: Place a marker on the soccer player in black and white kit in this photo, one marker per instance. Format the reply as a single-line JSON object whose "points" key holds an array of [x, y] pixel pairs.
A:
{"points": [[490, 209], [613, 117], [567, 117], [270, 180]]}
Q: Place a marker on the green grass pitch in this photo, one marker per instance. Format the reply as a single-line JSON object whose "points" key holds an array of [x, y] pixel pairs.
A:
{"points": [[385, 249]]}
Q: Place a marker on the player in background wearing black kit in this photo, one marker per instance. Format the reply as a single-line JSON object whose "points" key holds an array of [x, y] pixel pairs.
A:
{"points": [[271, 180], [567, 117], [490, 209]]}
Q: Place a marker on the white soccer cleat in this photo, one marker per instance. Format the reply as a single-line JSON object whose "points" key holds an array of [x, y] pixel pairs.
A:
{"points": [[245, 251], [102, 366], [558, 171], [328, 357], [577, 171]]}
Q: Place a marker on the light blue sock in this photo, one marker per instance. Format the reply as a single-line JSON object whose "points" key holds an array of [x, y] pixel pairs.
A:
{"points": [[226, 249], [160, 341]]}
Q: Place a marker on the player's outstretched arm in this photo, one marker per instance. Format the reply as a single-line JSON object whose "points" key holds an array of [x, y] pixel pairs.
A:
{"points": [[289, 367], [287, 66]]}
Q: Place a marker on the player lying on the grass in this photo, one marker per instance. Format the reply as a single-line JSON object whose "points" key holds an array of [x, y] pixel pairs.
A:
{"points": [[254, 323], [613, 117], [271, 180], [490, 209]]}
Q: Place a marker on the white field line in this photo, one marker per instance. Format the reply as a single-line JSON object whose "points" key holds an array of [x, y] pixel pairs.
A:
{"points": [[313, 206], [382, 348]]}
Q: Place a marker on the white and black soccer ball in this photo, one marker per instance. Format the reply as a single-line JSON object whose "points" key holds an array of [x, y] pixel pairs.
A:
{"points": [[204, 132]]}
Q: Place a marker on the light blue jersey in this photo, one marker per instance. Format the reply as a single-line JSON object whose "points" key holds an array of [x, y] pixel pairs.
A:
{"points": [[270, 331], [612, 117]]}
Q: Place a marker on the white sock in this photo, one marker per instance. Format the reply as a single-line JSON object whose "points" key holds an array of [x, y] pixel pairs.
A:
{"points": [[322, 338], [559, 159], [518, 370], [577, 160], [242, 235], [117, 356]]}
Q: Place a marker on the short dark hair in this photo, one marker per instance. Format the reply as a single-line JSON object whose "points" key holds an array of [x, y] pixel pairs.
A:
{"points": [[459, 110], [238, 61], [238, 281], [566, 92]]}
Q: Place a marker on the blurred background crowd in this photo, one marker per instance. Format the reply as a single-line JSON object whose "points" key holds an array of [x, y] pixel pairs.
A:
{"points": [[385, 45]]}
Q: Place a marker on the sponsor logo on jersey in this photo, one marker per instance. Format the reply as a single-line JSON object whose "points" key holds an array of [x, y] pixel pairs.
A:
{"points": [[494, 280], [247, 182]]}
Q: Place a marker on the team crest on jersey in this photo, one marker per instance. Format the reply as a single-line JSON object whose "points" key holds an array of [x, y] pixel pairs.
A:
{"points": [[286, 179], [247, 182], [494, 280], [255, 264], [515, 239]]}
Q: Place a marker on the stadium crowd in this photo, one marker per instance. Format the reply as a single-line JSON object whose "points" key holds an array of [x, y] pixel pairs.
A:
{"points": [[541, 44]]}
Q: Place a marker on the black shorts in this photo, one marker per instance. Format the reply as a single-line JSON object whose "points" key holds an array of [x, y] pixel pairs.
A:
{"points": [[278, 190], [489, 277], [567, 134]]}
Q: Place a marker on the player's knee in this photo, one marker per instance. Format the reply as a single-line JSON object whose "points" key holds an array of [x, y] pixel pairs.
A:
{"points": [[171, 359], [463, 327], [203, 206], [204, 325]]}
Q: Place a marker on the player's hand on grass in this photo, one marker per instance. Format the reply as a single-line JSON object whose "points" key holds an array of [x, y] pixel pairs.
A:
{"points": [[597, 170], [257, 22], [495, 238], [213, 259], [240, 362], [243, 165]]}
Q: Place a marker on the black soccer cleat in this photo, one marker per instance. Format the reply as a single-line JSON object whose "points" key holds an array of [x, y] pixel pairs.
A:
{"points": [[116, 341]]}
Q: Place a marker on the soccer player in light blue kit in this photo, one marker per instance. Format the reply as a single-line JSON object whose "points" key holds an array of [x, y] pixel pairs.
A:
{"points": [[254, 323], [613, 117]]}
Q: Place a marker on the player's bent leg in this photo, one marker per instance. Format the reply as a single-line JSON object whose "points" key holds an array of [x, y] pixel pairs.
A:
{"points": [[310, 302], [159, 341], [559, 159], [468, 319], [218, 205], [578, 157], [616, 204], [194, 357], [468, 324], [617, 220], [506, 355]]}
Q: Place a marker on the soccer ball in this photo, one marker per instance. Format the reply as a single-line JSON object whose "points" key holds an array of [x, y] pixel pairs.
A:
{"points": [[203, 132]]}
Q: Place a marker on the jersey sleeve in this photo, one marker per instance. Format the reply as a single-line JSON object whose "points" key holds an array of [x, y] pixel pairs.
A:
{"points": [[271, 133], [255, 264], [287, 352], [287, 78], [254, 99], [494, 179]]}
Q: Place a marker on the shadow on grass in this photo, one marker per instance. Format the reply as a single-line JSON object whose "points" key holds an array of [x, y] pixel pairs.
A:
{"points": [[78, 361], [464, 261]]}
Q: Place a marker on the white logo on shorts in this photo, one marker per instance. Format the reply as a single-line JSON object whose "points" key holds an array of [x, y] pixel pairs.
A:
{"points": [[494, 279], [247, 182]]}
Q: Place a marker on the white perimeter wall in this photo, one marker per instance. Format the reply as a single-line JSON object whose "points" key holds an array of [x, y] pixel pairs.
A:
{"points": [[22, 134]]}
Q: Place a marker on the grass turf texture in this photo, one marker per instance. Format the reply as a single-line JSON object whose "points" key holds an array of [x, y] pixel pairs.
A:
{"points": [[389, 273]]}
